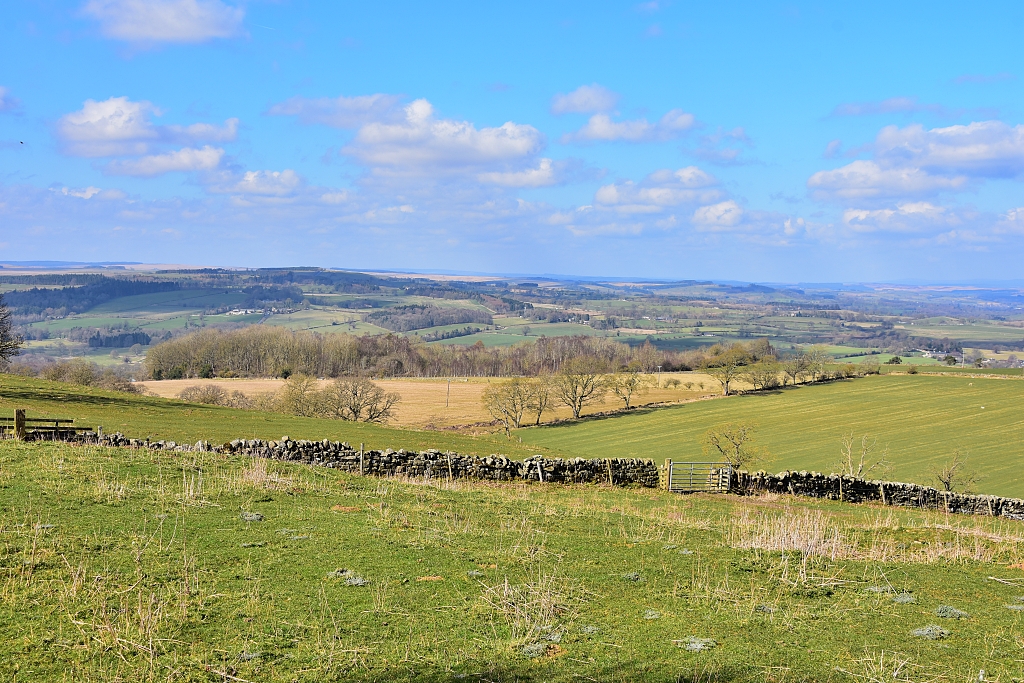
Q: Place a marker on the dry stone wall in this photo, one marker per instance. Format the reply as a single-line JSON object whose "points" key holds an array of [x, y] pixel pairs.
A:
{"points": [[429, 464], [857, 490]]}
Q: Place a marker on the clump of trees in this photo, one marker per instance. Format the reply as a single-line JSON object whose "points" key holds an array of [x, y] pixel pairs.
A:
{"points": [[356, 399], [10, 343], [83, 373], [406, 318]]}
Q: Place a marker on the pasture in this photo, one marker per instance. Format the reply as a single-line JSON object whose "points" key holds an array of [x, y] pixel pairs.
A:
{"points": [[429, 403], [921, 418], [117, 565]]}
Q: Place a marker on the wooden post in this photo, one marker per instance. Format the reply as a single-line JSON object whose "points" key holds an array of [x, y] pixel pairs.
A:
{"points": [[19, 423], [668, 474], [540, 470], [881, 487], [360, 459], [611, 481], [450, 475]]}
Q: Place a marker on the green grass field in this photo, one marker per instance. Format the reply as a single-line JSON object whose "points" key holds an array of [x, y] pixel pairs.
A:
{"points": [[921, 418], [117, 565], [171, 420]]}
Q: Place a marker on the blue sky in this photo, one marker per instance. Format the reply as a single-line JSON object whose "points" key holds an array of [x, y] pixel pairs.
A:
{"points": [[750, 141]]}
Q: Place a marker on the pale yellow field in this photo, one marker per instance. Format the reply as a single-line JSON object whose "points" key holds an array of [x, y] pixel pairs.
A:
{"points": [[427, 403]]}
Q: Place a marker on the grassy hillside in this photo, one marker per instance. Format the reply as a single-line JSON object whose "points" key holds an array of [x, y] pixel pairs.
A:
{"points": [[139, 566], [168, 419], [921, 418]]}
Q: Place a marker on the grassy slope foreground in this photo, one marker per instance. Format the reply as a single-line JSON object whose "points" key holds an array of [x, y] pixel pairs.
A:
{"points": [[119, 565], [921, 418]]}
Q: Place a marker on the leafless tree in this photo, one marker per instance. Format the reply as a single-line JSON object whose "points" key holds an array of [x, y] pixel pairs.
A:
{"points": [[858, 461], [10, 343], [726, 366], [733, 442], [816, 359], [508, 401], [301, 396], [763, 375], [579, 383], [631, 382], [794, 368], [541, 391], [358, 399], [954, 475]]}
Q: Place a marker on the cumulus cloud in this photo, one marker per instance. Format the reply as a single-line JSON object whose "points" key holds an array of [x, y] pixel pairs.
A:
{"points": [[422, 142], [869, 180], [659, 191], [723, 215], [541, 176], [8, 103], [914, 162], [602, 128], [340, 112], [264, 184], [165, 21], [118, 127], [181, 160], [909, 217], [586, 99], [723, 147]]}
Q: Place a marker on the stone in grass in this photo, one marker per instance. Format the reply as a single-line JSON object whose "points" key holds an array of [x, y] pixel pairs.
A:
{"points": [[534, 650], [685, 551], [930, 632], [947, 612], [904, 598], [244, 656], [298, 538], [1016, 608], [632, 576], [879, 589], [589, 630], [670, 547], [251, 517], [651, 614], [257, 544], [474, 574], [695, 644], [554, 637], [765, 609], [350, 577]]}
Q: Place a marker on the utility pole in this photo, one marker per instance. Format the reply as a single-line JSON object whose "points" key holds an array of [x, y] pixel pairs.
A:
{"points": [[449, 394]]}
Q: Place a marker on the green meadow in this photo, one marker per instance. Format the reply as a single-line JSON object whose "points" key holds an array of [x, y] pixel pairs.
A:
{"points": [[922, 419], [120, 565]]}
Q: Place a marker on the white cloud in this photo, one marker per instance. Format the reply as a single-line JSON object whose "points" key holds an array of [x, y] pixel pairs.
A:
{"points": [[339, 197], [660, 191], [905, 217], [861, 180], [182, 160], [120, 127], [725, 214], [267, 184], [81, 193], [586, 99], [165, 21], [340, 112], [914, 162], [990, 149], [422, 142], [8, 103], [601, 128], [541, 176]]}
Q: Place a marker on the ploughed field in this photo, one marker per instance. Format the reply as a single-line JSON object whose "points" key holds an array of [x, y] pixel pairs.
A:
{"points": [[120, 565], [921, 418]]}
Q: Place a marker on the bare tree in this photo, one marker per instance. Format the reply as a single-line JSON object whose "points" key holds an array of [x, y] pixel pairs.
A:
{"points": [[726, 366], [579, 383], [631, 382], [763, 375], [733, 442], [794, 367], [954, 475], [10, 343], [301, 396], [540, 396], [816, 358], [858, 462], [508, 401], [358, 399]]}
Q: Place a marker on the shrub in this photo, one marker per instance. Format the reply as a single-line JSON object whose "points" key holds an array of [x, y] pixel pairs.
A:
{"points": [[209, 394]]}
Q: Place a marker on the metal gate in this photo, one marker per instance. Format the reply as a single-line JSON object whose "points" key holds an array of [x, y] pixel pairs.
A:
{"points": [[688, 477]]}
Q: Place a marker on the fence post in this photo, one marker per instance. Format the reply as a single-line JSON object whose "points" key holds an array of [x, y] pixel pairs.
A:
{"points": [[668, 474], [19, 423], [360, 459], [611, 481]]}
